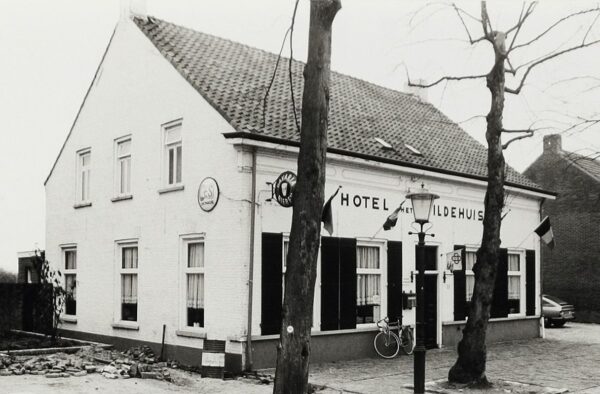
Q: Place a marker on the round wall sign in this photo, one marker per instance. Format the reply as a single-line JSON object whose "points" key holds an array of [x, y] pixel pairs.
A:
{"points": [[283, 188], [208, 194]]}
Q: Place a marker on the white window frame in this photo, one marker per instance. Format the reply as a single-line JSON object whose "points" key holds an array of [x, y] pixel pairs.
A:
{"points": [[167, 147], [119, 159], [285, 242], [521, 274], [73, 271], [184, 270], [120, 245], [381, 271], [83, 193]]}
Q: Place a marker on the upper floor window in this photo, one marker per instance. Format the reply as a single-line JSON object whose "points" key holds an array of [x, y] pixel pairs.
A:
{"points": [[84, 159], [70, 271], [123, 167], [172, 153]]}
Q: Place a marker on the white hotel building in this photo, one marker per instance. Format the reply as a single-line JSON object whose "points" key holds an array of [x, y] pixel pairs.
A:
{"points": [[171, 109]]}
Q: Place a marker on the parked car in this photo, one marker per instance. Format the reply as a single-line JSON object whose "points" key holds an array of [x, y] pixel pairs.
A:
{"points": [[556, 311]]}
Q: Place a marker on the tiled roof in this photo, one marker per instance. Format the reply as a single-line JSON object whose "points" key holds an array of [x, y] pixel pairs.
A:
{"points": [[588, 164], [233, 78]]}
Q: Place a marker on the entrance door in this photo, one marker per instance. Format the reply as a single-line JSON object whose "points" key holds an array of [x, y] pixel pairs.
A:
{"points": [[430, 302]]}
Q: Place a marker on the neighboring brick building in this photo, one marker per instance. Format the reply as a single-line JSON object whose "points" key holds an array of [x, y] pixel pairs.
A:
{"points": [[572, 269], [173, 124]]}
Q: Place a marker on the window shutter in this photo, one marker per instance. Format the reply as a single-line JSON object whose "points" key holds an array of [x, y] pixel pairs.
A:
{"points": [[347, 257], [500, 300], [271, 285], [460, 288], [530, 282], [394, 273], [329, 283]]}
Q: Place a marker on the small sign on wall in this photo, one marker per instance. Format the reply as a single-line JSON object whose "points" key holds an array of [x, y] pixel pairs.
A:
{"points": [[208, 194], [454, 260]]}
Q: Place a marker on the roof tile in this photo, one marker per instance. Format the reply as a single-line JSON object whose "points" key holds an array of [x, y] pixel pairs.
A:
{"points": [[234, 78]]}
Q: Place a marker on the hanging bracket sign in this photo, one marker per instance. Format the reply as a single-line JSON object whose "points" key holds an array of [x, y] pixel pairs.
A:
{"points": [[208, 194], [454, 260], [283, 189]]}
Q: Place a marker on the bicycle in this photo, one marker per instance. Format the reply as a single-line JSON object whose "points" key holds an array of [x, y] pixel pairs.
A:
{"points": [[387, 343]]}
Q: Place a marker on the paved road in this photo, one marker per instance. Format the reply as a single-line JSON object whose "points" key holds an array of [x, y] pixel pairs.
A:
{"points": [[569, 358]]}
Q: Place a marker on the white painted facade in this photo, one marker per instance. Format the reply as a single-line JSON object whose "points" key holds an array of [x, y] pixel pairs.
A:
{"points": [[135, 92]]}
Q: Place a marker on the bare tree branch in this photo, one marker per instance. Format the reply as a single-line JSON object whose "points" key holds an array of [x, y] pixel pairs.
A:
{"points": [[590, 28], [290, 66], [471, 40], [446, 78], [555, 24], [545, 59], [273, 79], [528, 134], [522, 19]]}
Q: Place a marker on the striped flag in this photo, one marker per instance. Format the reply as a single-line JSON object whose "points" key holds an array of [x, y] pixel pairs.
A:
{"points": [[544, 230], [327, 215], [393, 218]]}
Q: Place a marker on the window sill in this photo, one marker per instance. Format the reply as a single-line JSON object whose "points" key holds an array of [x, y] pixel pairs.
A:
{"points": [[122, 198], [170, 189], [126, 325], [493, 319], [68, 319], [191, 334], [78, 205]]}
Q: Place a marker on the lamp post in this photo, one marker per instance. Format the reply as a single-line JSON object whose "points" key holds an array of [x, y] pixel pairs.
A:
{"points": [[422, 202]]}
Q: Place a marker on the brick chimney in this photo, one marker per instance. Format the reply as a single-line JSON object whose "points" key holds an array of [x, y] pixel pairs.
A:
{"points": [[552, 143]]}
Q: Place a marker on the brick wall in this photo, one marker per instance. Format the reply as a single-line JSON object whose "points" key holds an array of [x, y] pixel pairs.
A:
{"points": [[571, 270]]}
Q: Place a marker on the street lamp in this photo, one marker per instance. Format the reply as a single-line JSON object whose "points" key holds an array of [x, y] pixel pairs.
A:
{"points": [[422, 203]]}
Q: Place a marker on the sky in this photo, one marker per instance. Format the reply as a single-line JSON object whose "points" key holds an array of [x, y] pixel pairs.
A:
{"points": [[49, 51]]}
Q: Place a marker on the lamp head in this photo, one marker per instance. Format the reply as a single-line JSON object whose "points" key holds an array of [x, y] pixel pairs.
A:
{"points": [[422, 202]]}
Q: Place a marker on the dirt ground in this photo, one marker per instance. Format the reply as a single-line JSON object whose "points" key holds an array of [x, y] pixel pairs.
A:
{"points": [[183, 382]]}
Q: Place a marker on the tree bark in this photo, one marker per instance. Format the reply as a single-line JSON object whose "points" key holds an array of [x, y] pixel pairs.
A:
{"points": [[471, 362], [293, 351]]}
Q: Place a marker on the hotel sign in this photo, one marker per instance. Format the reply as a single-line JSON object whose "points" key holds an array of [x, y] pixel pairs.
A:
{"points": [[378, 203]]}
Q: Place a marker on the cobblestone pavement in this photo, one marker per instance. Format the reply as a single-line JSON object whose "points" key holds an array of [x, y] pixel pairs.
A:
{"points": [[568, 358]]}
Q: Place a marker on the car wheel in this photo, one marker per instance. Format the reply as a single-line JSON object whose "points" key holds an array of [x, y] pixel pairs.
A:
{"points": [[547, 322], [559, 323]]}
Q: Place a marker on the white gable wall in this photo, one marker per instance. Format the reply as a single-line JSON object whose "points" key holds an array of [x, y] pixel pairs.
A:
{"points": [[135, 92]]}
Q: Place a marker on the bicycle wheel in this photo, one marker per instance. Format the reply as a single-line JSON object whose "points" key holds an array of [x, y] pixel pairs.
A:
{"points": [[408, 344], [387, 346]]}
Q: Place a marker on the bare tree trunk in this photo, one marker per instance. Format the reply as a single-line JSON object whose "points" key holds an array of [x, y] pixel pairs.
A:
{"points": [[293, 351], [470, 365]]}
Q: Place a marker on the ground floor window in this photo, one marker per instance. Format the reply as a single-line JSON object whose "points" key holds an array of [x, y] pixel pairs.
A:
{"points": [[129, 282], [368, 284], [70, 280], [194, 279], [514, 283]]}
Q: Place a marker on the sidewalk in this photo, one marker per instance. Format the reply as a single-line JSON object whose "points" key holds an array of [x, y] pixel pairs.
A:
{"points": [[568, 358]]}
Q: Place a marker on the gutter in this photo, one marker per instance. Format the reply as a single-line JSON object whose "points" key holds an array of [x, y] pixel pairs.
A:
{"points": [[249, 362], [282, 141]]}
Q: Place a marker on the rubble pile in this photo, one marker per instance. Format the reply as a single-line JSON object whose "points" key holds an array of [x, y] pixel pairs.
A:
{"points": [[137, 362]]}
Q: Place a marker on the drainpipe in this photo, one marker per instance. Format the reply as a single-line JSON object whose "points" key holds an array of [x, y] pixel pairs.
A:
{"points": [[541, 277], [251, 264]]}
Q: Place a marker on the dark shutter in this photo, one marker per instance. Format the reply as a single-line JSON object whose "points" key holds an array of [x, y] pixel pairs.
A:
{"points": [[347, 283], [530, 282], [500, 300], [271, 285], [329, 283], [394, 271], [460, 288]]}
